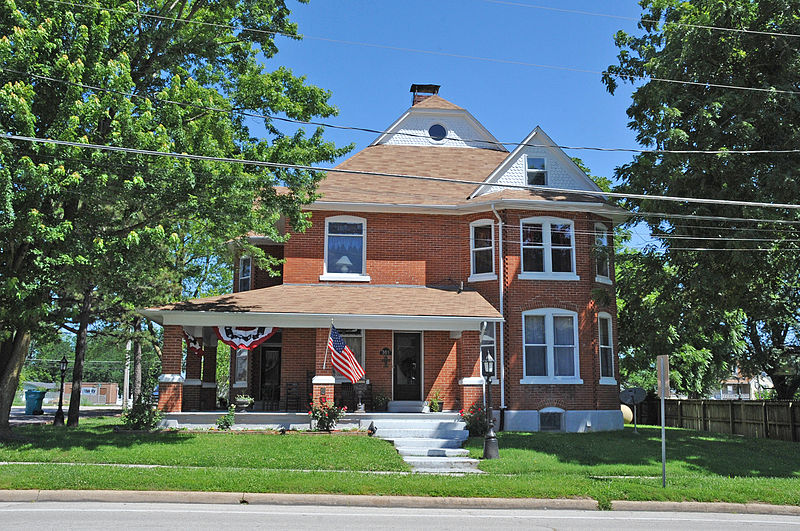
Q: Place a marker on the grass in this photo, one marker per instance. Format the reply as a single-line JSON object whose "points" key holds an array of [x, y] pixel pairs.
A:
{"points": [[603, 466]]}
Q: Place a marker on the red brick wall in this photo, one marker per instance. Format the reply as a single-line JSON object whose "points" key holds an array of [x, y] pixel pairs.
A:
{"points": [[170, 395], [434, 250]]}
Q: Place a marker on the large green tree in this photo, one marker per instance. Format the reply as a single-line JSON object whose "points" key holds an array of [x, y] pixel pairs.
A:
{"points": [[146, 75], [751, 273]]}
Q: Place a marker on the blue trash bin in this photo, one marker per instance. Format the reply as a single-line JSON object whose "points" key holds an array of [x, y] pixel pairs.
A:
{"points": [[33, 402]]}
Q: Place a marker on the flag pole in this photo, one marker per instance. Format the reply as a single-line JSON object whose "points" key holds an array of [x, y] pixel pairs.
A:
{"points": [[325, 360]]}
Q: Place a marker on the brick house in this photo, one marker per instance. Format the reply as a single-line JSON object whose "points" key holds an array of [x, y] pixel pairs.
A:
{"points": [[411, 270]]}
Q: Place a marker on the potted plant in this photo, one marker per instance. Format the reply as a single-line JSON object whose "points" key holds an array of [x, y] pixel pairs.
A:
{"points": [[380, 401], [243, 402], [436, 401]]}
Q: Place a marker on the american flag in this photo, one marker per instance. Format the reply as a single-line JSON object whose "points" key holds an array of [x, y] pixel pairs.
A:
{"points": [[342, 357]]}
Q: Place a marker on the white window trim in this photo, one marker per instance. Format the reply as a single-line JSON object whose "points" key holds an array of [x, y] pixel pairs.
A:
{"points": [[479, 277], [598, 277], [346, 277], [548, 314], [547, 274], [606, 380], [546, 165], [248, 277], [477, 380], [340, 378]]}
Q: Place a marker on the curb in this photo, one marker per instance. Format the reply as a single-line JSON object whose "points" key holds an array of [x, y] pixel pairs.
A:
{"points": [[414, 502], [706, 507], [419, 502]]}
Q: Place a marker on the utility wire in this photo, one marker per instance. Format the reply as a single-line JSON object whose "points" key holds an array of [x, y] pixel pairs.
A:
{"points": [[398, 133], [629, 77], [278, 165], [634, 19]]}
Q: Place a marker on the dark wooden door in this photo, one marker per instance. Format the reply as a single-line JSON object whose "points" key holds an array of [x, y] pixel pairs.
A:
{"points": [[270, 391], [407, 366]]}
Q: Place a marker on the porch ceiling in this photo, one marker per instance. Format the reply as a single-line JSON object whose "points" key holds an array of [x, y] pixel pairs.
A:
{"points": [[314, 305]]}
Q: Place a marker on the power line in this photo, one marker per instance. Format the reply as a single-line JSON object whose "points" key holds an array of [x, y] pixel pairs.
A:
{"points": [[278, 165], [634, 19], [399, 133], [447, 54]]}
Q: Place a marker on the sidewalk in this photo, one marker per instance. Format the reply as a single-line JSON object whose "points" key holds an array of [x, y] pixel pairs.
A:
{"points": [[19, 418], [383, 501]]}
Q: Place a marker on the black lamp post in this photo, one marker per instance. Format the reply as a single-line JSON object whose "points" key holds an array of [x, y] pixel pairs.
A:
{"points": [[59, 419], [490, 449]]}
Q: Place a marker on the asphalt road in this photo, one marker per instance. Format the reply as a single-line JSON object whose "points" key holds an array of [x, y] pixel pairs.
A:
{"points": [[104, 515]]}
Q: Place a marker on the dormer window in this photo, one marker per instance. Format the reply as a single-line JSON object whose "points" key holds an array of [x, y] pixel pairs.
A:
{"points": [[438, 132], [537, 173], [345, 249], [244, 273]]}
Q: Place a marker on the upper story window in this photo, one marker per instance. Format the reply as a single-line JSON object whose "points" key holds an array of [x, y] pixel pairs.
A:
{"points": [[602, 252], [536, 170], [606, 349], [345, 249], [245, 273], [548, 249], [481, 243], [550, 342]]}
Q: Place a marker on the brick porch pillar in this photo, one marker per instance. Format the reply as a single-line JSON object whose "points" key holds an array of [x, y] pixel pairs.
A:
{"points": [[170, 383], [323, 382], [208, 388]]}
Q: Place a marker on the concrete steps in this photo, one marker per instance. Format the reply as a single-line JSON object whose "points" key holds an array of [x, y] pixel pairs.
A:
{"points": [[430, 444], [407, 406]]}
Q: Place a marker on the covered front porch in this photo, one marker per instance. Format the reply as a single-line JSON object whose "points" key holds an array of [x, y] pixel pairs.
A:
{"points": [[414, 343]]}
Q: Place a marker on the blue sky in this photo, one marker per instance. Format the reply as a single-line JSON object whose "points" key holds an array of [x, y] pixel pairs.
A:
{"points": [[370, 85]]}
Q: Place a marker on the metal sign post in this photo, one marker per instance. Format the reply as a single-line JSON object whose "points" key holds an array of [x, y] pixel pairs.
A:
{"points": [[633, 397], [663, 390]]}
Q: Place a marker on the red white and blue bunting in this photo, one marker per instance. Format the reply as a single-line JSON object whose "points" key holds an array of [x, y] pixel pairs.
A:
{"points": [[246, 338], [194, 345]]}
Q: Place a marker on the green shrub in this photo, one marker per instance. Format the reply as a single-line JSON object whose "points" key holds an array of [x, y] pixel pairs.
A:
{"points": [[226, 421], [436, 401], [380, 402], [475, 418], [143, 415]]}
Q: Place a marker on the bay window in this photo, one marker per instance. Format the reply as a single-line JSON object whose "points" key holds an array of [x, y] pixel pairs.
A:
{"points": [[547, 249], [550, 346]]}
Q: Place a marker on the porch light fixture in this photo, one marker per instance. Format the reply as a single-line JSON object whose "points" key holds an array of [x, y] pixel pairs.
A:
{"points": [[344, 264], [59, 418], [490, 448]]}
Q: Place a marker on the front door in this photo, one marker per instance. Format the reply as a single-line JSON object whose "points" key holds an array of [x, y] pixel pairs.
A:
{"points": [[270, 391], [407, 366]]}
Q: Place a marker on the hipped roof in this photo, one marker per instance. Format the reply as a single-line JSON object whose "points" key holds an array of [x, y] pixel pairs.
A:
{"points": [[315, 305]]}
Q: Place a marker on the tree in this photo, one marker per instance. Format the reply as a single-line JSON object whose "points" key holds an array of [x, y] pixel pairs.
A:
{"points": [[750, 277], [72, 220]]}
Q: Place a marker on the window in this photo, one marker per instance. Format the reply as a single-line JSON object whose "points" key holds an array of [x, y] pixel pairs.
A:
{"points": [[488, 346], [354, 339], [437, 132], [551, 420], [606, 349], [537, 174], [602, 253], [244, 273], [481, 243], [550, 343], [241, 366], [548, 249], [345, 249]]}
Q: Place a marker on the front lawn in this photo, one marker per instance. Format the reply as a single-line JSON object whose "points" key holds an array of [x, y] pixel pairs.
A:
{"points": [[603, 466]]}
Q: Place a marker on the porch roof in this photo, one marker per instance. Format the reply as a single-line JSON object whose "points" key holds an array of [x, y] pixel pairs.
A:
{"points": [[315, 305]]}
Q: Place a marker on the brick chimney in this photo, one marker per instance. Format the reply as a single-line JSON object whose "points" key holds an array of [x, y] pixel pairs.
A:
{"points": [[421, 92]]}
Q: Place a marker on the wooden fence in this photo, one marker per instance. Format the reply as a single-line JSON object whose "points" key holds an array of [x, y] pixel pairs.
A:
{"points": [[770, 419]]}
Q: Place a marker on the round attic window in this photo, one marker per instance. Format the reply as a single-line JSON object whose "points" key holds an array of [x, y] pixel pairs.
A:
{"points": [[437, 132]]}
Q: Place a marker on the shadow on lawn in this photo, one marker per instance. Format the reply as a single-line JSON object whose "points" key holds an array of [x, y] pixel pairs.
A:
{"points": [[702, 452], [88, 437]]}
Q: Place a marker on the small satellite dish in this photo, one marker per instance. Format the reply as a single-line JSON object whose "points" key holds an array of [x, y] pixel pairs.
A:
{"points": [[632, 396]]}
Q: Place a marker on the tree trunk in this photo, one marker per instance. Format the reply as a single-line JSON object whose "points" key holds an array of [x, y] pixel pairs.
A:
{"points": [[137, 359], [12, 357], [785, 386], [80, 354]]}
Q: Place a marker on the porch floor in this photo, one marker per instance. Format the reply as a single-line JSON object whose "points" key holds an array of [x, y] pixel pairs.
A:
{"points": [[275, 420]]}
